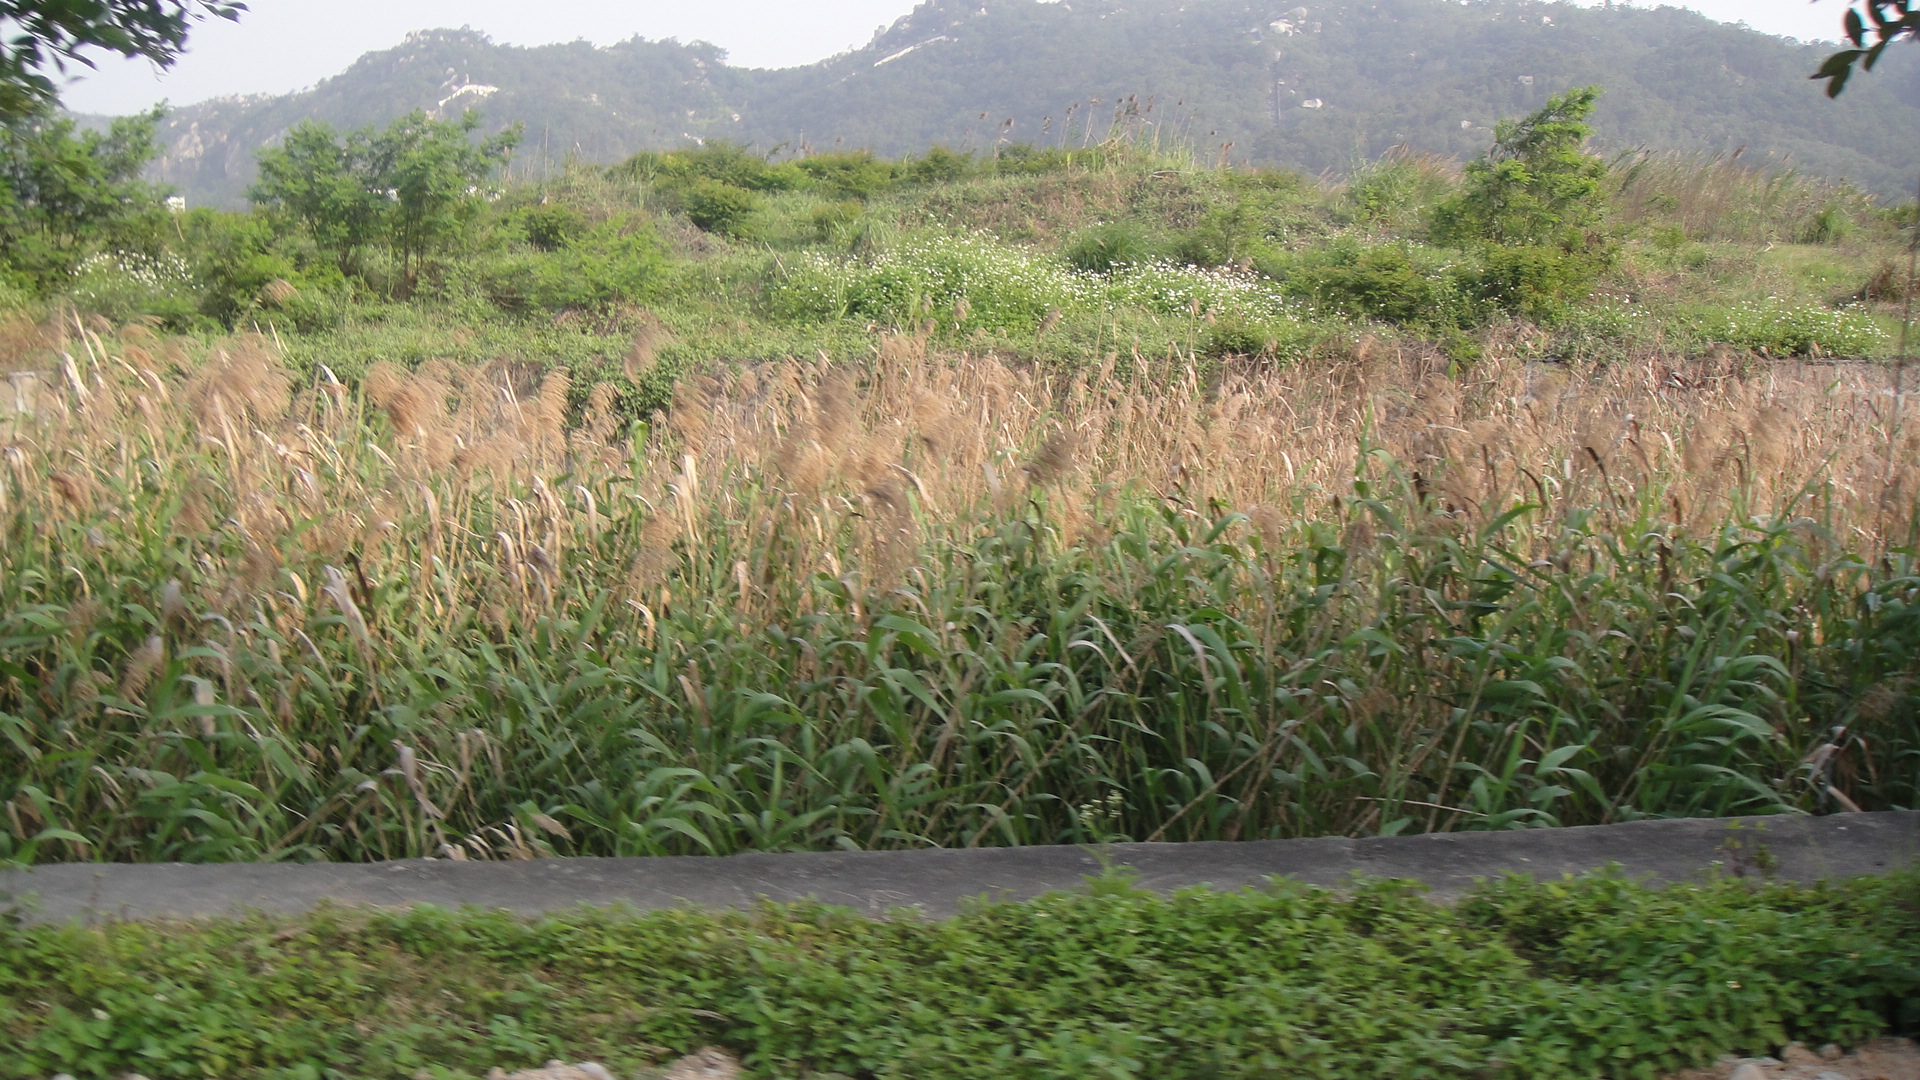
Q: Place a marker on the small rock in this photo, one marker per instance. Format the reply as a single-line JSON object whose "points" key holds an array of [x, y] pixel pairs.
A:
{"points": [[1797, 1054], [1828, 1074], [1748, 1070], [556, 1070], [706, 1063], [1831, 1052], [62, 1076]]}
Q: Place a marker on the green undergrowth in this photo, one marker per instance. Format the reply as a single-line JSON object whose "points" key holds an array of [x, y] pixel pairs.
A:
{"points": [[1211, 687], [1056, 256], [1579, 978]]}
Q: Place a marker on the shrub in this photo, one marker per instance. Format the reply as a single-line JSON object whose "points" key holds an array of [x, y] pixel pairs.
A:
{"points": [[246, 266], [1541, 283], [941, 165], [1243, 334], [1829, 224], [549, 226], [617, 260], [1224, 236], [719, 185], [834, 222], [1395, 283], [1105, 248], [727, 163], [1396, 188], [721, 208], [1379, 283], [850, 174], [1536, 186], [613, 261]]}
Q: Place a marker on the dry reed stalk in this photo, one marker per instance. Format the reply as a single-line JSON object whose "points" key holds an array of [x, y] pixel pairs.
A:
{"points": [[845, 468]]}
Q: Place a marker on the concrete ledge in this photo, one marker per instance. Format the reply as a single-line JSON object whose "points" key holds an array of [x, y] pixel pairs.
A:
{"points": [[936, 882]]}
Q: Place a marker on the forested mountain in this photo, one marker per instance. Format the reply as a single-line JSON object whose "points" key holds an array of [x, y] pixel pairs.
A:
{"points": [[1315, 87]]}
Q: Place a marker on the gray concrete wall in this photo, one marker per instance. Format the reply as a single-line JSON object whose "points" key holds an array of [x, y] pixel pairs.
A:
{"points": [[936, 882]]}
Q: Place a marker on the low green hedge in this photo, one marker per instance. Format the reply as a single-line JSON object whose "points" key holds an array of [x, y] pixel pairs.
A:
{"points": [[1587, 978]]}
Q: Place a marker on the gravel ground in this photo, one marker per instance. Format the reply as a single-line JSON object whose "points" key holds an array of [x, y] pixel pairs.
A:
{"points": [[1885, 1059], [707, 1063]]}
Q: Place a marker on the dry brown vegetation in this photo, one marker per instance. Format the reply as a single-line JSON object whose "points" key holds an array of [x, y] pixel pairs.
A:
{"points": [[941, 598]]}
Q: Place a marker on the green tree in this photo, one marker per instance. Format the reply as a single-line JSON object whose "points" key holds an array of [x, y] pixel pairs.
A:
{"points": [[54, 33], [1536, 186], [433, 174], [64, 194], [323, 183], [415, 187], [1534, 202], [1890, 21]]}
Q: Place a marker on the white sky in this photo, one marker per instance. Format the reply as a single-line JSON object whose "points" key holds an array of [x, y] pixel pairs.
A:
{"points": [[285, 45]]}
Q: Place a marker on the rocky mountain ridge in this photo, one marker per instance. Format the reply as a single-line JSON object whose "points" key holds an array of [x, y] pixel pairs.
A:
{"points": [[1317, 87]]}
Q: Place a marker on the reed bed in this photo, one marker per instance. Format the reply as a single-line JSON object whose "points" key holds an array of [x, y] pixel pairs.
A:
{"points": [[938, 600], [1721, 197]]}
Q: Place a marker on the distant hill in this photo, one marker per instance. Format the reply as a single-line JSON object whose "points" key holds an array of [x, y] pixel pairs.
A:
{"points": [[1316, 87]]}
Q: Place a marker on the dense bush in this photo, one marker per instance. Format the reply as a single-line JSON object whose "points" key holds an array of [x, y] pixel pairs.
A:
{"points": [[941, 165], [1536, 203], [1105, 248], [1540, 282], [852, 174], [548, 226], [614, 261], [719, 161], [1538, 185], [721, 208], [1521, 981], [1378, 282]]}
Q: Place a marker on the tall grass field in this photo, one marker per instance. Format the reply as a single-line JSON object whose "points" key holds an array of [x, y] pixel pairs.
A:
{"points": [[720, 502], [937, 597]]}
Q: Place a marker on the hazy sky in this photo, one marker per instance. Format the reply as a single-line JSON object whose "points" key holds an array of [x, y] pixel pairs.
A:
{"points": [[284, 45]]}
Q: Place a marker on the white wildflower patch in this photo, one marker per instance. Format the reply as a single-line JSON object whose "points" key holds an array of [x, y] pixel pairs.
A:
{"points": [[973, 282], [1192, 290], [1782, 329], [122, 284], [159, 272], [955, 280]]}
